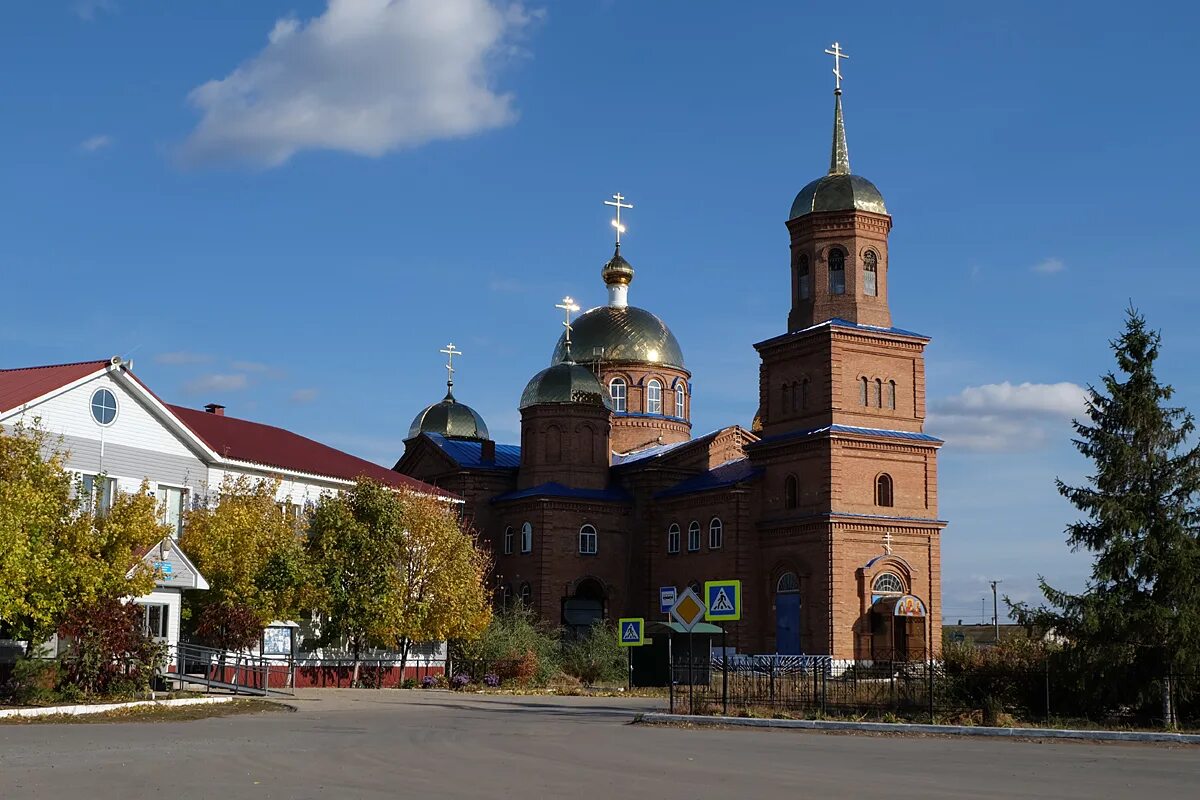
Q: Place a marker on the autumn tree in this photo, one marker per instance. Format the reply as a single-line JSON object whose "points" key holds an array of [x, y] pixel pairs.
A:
{"points": [[251, 551], [58, 549]]}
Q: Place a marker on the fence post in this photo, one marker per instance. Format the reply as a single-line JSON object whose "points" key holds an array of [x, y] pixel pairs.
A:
{"points": [[932, 676], [724, 674], [1047, 688]]}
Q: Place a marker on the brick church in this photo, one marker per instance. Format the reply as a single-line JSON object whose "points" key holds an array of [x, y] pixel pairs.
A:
{"points": [[825, 508]]}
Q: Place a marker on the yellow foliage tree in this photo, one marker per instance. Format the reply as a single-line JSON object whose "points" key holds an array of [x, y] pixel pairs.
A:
{"points": [[251, 552]]}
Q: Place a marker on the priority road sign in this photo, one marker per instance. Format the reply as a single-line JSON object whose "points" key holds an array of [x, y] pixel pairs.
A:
{"points": [[633, 631], [724, 600], [688, 610], [666, 598]]}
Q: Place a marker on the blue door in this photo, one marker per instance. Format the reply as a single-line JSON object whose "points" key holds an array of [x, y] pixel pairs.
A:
{"points": [[787, 623]]}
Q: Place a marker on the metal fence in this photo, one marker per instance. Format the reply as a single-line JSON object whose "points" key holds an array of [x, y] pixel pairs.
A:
{"points": [[817, 686]]}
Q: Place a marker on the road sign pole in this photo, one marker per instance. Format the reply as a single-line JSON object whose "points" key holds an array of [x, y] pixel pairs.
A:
{"points": [[671, 668], [691, 678], [724, 674], [629, 675]]}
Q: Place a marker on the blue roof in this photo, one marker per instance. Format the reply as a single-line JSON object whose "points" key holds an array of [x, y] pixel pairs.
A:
{"points": [[467, 453], [728, 474], [609, 495], [619, 459], [851, 429], [838, 322]]}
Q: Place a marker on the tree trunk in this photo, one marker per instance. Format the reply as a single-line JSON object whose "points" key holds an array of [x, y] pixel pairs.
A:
{"points": [[357, 647], [1168, 704], [404, 645]]}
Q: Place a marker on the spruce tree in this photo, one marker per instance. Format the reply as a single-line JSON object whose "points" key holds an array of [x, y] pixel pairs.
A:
{"points": [[1138, 620]]}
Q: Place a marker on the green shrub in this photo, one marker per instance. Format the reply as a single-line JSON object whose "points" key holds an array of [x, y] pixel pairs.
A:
{"points": [[597, 656], [516, 646], [33, 682]]}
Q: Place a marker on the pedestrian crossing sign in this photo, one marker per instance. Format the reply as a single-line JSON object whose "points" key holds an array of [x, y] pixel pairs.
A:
{"points": [[724, 600], [632, 630]]}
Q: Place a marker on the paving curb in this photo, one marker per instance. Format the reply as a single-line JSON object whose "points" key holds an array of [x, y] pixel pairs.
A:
{"points": [[941, 730], [100, 708]]}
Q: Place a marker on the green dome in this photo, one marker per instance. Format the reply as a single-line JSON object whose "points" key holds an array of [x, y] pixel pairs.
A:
{"points": [[620, 334], [838, 193], [451, 419], [565, 383]]}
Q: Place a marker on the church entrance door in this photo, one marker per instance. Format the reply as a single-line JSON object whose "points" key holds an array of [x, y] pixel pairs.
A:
{"points": [[584, 608], [787, 615]]}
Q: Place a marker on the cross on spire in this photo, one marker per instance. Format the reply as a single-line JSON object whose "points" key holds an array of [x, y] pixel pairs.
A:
{"points": [[838, 55], [451, 351], [618, 202], [568, 305]]}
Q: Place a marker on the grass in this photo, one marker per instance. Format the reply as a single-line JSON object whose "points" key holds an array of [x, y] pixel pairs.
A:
{"points": [[157, 713]]}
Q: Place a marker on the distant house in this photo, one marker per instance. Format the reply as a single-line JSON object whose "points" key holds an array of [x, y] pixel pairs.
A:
{"points": [[985, 635]]}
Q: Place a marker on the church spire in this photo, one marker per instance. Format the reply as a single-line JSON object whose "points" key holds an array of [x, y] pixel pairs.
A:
{"points": [[839, 158], [451, 351], [617, 272]]}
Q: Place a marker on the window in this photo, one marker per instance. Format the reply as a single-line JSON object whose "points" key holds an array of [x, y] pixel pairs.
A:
{"points": [[693, 537], [802, 276], [716, 534], [616, 390], [156, 619], [784, 397], [888, 583], [837, 271], [104, 407], [804, 393], [96, 493], [883, 490], [791, 492], [508, 540], [526, 538], [680, 398], [587, 540], [788, 583], [526, 595], [878, 393], [506, 596], [870, 274], [653, 397], [171, 508], [673, 538], [892, 394], [862, 390]]}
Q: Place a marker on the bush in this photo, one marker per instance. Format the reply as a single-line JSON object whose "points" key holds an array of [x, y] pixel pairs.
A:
{"points": [[429, 682], [596, 657], [491, 680], [408, 683], [1009, 676], [33, 682], [460, 681], [515, 646], [108, 651]]}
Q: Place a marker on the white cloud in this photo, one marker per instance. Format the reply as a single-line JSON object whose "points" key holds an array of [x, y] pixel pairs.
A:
{"points": [[258, 368], [1049, 266], [94, 143], [365, 77], [216, 383], [179, 357], [1002, 417], [302, 396], [88, 10]]}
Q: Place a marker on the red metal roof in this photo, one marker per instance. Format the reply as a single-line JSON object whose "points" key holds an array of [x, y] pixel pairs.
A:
{"points": [[254, 442], [20, 386]]}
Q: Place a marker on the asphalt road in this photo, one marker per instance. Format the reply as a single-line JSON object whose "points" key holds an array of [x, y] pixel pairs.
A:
{"points": [[395, 744]]}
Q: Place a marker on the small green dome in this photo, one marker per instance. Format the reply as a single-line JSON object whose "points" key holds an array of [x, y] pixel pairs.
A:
{"points": [[565, 382], [838, 193], [451, 419]]}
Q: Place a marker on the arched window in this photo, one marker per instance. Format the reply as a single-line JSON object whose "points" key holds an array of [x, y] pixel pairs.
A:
{"points": [[508, 540], [862, 390], [788, 583], [680, 399], [791, 492], [804, 393], [716, 534], [802, 278], [883, 490], [506, 596], [891, 394], [795, 396], [526, 538], [878, 393], [616, 390], [526, 595], [785, 397], [673, 538], [870, 273], [693, 536], [888, 583], [695, 587], [588, 545], [653, 397], [837, 271], [553, 445]]}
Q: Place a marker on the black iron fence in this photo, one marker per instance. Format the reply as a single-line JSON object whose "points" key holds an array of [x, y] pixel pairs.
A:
{"points": [[817, 686]]}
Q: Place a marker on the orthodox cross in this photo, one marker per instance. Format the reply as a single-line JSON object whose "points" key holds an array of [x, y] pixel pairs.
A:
{"points": [[887, 543], [618, 202], [838, 55], [451, 351], [568, 305]]}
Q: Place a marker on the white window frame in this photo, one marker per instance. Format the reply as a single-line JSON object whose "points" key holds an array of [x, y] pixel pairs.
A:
{"points": [[693, 543], [654, 401], [87, 498], [619, 398], [164, 515], [673, 538], [116, 406], [164, 620], [527, 538], [589, 540], [508, 540], [680, 400], [716, 534]]}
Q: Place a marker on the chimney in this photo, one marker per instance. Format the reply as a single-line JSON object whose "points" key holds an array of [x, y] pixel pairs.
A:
{"points": [[487, 451], [215, 408]]}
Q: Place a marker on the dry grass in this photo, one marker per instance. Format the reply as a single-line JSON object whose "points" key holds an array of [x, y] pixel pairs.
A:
{"points": [[157, 713]]}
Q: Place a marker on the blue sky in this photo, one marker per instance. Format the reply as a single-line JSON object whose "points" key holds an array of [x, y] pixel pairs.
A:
{"points": [[290, 207]]}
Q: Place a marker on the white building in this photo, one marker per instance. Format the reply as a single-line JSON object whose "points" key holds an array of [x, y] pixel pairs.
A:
{"points": [[116, 430]]}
